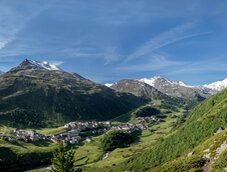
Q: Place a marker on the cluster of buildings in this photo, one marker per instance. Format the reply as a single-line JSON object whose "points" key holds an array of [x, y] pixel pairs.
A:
{"points": [[27, 136], [82, 126], [147, 119], [130, 127], [74, 130], [7, 138], [69, 137]]}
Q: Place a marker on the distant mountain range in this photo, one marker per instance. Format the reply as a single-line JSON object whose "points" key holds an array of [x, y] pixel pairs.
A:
{"points": [[40, 94], [158, 99], [179, 88], [216, 86]]}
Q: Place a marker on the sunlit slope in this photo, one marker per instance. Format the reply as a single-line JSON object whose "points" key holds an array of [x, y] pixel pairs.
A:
{"points": [[203, 122]]}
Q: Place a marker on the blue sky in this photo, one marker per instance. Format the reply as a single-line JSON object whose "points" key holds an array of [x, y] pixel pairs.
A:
{"points": [[108, 40]]}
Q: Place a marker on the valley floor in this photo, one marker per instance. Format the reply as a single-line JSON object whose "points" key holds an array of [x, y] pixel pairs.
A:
{"points": [[89, 153]]}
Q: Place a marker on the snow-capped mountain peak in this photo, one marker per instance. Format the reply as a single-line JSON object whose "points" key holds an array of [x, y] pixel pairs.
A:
{"points": [[157, 80], [153, 80], [179, 88], [218, 85], [41, 64], [45, 65], [181, 83]]}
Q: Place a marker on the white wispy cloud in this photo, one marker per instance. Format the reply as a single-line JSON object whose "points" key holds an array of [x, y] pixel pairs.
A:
{"points": [[173, 35], [157, 62], [201, 66], [80, 51], [13, 21], [111, 55]]}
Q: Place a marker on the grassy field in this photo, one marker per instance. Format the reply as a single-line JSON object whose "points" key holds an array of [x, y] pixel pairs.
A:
{"points": [[19, 155], [89, 152]]}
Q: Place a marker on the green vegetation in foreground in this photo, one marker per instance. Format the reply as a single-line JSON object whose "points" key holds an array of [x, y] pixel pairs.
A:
{"points": [[19, 155], [63, 160], [89, 152], [203, 122], [202, 157], [220, 164], [192, 164]]}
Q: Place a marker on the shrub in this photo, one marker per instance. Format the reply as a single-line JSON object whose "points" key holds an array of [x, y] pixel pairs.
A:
{"points": [[116, 139]]}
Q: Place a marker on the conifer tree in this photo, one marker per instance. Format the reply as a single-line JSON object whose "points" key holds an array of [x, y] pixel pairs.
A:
{"points": [[63, 160]]}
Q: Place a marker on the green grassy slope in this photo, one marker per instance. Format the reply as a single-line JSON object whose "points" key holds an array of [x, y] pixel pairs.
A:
{"points": [[203, 122], [19, 155]]}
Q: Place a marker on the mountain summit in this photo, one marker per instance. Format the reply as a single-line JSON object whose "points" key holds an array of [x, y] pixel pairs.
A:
{"points": [[177, 88], [44, 65], [156, 79]]}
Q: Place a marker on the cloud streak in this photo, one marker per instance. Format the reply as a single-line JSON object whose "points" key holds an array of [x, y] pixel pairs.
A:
{"points": [[111, 55], [157, 62], [173, 35], [12, 21], [217, 65]]}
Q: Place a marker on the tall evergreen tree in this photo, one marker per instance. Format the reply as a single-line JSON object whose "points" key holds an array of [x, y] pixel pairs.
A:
{"points": [[63, 160]]}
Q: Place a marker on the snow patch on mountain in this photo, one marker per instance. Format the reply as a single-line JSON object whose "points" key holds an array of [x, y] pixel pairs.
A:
{"points": [[218, 85], [108, 84], [151, 81], [181, 83], [44, 64]]}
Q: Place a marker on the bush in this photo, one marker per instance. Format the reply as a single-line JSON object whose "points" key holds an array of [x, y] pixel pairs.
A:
{"points": [[116, 139], [147, 111]]}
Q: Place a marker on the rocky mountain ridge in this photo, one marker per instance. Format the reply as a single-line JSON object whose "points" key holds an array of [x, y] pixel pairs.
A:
{"points": [[179, 88]]}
